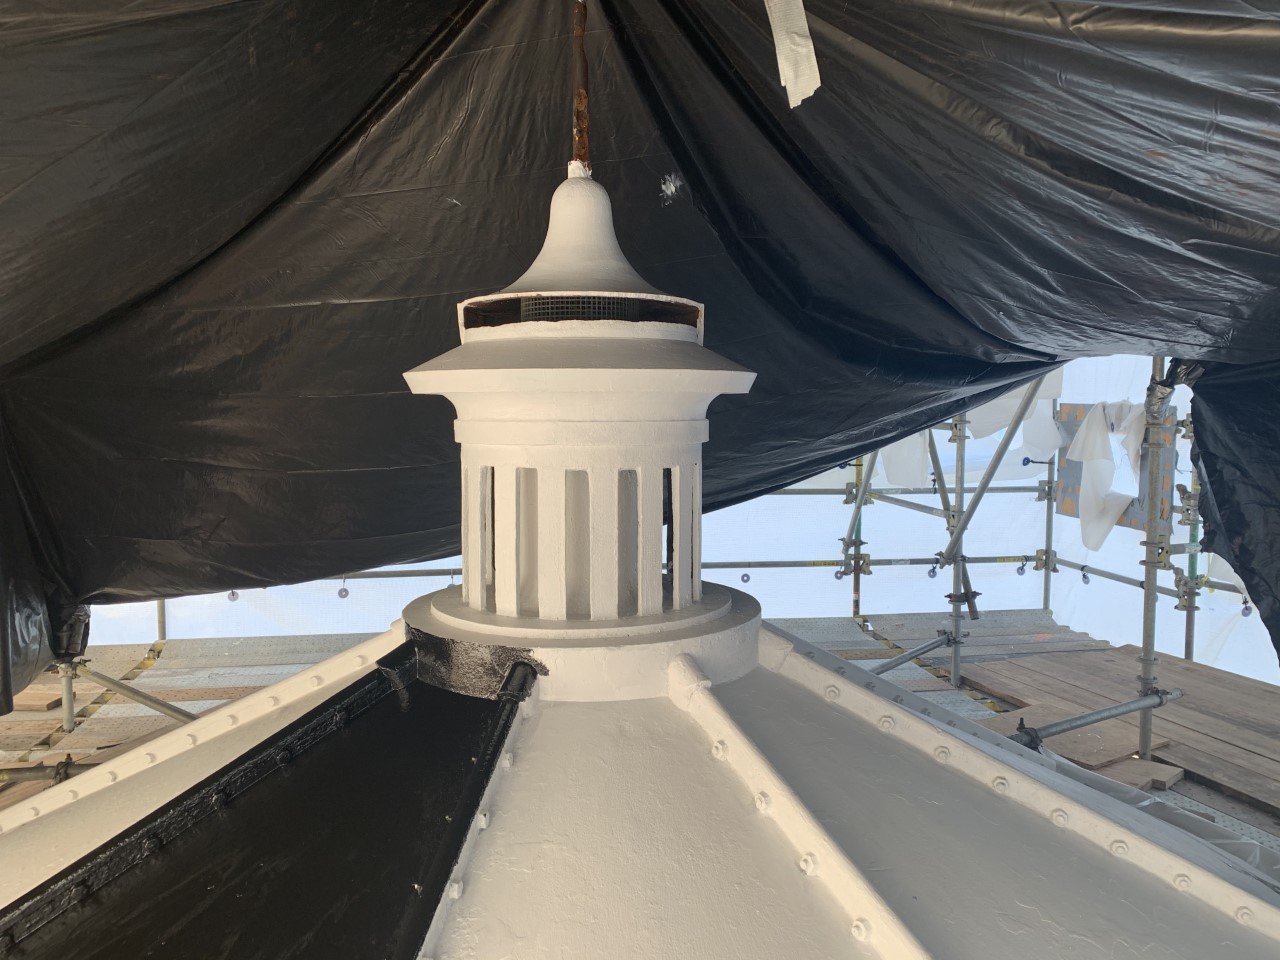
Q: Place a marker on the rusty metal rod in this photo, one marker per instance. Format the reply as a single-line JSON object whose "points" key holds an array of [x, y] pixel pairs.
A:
{"points": [[581, 120]]}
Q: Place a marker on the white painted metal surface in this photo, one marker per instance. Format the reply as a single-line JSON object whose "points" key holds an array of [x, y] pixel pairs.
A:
{"points": [[68, 821], [793, 812]]}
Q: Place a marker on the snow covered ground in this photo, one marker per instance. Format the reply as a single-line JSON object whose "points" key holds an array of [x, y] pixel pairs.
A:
{"points": [[808, 528]]}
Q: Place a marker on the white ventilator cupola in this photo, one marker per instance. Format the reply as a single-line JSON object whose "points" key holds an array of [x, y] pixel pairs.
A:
{"points": [[582, 395]]}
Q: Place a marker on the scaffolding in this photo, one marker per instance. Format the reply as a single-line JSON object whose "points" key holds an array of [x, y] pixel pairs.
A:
{"points": [[1158, 550], [957, 506]]}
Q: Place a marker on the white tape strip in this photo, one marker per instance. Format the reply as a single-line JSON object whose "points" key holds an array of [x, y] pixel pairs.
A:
{"points": [[797, 63]]}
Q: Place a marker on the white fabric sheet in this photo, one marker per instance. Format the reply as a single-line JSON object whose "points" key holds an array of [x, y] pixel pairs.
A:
{"points": [[1109, 449]]}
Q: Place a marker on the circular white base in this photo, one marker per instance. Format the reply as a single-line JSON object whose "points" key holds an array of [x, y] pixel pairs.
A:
{"points": [[609, 660]]}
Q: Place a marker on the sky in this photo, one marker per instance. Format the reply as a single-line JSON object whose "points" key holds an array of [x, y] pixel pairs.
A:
{"points": [[808, 528]]}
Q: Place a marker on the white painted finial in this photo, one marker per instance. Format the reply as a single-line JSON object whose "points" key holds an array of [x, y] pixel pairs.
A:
{"points": [[580, 252]]}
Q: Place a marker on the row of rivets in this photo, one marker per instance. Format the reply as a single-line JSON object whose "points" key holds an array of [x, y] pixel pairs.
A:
{"points": [[860, 928], [232, 720]]}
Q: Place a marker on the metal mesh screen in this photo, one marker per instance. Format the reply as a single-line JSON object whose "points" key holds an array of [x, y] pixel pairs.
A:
{"points": [[579, 308]]}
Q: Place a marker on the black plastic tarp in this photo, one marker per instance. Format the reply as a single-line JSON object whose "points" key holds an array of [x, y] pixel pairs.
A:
{"points": [[226, 228]]}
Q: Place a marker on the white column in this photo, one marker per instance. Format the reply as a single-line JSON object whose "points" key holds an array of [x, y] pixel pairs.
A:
{"points": [[472, 536], [695, 541], [682, 527], [527, 540], [649, 603], [485, 487], [505, 527], [551, 544], [628, 543], [604, 543], [577, 550]]}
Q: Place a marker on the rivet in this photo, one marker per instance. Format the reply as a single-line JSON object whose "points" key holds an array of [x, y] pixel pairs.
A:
{"points": [[1059, 816], [112, 776], [507, 760], [927, 712], [840, 670], [1182, 882], [274, 701], [999, 784], [361, 660], [1245, 916], [897, 698], [232, 720], [1119, 848], [809, 864], [482, 820], [870, 684], [151, 758], [35, 811], [763, 802], [73, 794], [886, 723], [192, 739], [860, 929], [832, 692], [316, 680], [455, 890], [719, 749], [941, 754]]}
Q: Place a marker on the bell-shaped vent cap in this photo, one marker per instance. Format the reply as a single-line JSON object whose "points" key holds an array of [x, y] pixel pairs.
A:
{"points": [[581, 272]]}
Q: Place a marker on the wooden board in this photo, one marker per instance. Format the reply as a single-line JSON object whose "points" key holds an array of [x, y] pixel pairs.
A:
{"points": [[1224, 714], [918, 684], [1094, 746], [1143, 774], [38, 697], [1241, 772], [14, 793], [24, 734], [1256, 789], [970, 651]]}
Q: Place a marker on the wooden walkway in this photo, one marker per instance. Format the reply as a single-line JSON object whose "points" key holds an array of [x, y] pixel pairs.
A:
{"points": [[1224, 731], [997, 634]]}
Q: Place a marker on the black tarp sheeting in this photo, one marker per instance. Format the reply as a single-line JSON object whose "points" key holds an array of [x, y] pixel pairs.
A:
{"points": [[287, 852], [226, 228]]}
